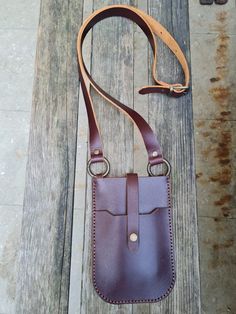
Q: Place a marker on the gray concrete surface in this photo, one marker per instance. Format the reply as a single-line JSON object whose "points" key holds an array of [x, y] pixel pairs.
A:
{"points": [[18, 33], [213, 49]]}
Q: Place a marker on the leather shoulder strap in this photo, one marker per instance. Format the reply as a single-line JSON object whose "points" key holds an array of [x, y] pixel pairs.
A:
{"points": [[151, 28]]}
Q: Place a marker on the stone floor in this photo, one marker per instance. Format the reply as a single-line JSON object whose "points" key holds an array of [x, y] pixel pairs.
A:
{"points": [[213, 50]]}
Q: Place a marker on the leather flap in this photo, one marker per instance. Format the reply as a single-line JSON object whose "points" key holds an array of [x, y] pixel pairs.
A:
{"points": [[111, 194]]}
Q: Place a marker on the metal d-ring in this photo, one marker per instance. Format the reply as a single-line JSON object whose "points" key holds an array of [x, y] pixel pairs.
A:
{"points": [[166, 162], [92, 174]]}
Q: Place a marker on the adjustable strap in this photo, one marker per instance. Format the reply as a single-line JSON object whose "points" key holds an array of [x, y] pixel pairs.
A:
{"points": [[132, 205], [150, 27]]}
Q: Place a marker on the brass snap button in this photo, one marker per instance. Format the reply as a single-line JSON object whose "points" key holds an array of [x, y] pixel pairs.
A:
{"points": [[133, 237]]}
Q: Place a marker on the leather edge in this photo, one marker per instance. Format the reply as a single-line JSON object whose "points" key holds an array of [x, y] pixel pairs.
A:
{"points": [[101, 295]]}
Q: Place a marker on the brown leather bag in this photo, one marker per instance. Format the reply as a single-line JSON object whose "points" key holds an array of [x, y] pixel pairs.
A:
{"points": [[132, 247]]}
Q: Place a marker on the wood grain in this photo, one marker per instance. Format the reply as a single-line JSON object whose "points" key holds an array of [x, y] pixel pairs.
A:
{"points": [[44, 260], [112, 62], [172, 119], [77, 249], [119, 63]]}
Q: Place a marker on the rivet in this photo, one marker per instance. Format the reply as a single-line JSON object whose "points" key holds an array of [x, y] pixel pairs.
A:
{"points": [[96, 152], [154, 154], [133, 237]]}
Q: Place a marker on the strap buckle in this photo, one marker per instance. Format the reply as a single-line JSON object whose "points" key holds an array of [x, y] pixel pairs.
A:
{"points": [[179, 88]]}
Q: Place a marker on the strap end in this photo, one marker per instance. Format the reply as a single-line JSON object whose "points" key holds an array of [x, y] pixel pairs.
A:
{"points": [[154, 89], [171, 90]]}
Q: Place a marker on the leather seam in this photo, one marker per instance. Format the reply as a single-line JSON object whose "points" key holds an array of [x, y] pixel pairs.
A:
{"points": [[164, 295]]}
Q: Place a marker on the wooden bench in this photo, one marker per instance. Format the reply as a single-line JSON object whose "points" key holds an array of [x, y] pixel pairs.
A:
{"points": [[54, 261]]}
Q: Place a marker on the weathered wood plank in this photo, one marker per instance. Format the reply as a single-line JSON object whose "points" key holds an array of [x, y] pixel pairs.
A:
{"points": [[172, 119], [44, 261], [74, 21], [112, 69], [80, 187], [173, 122]]}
